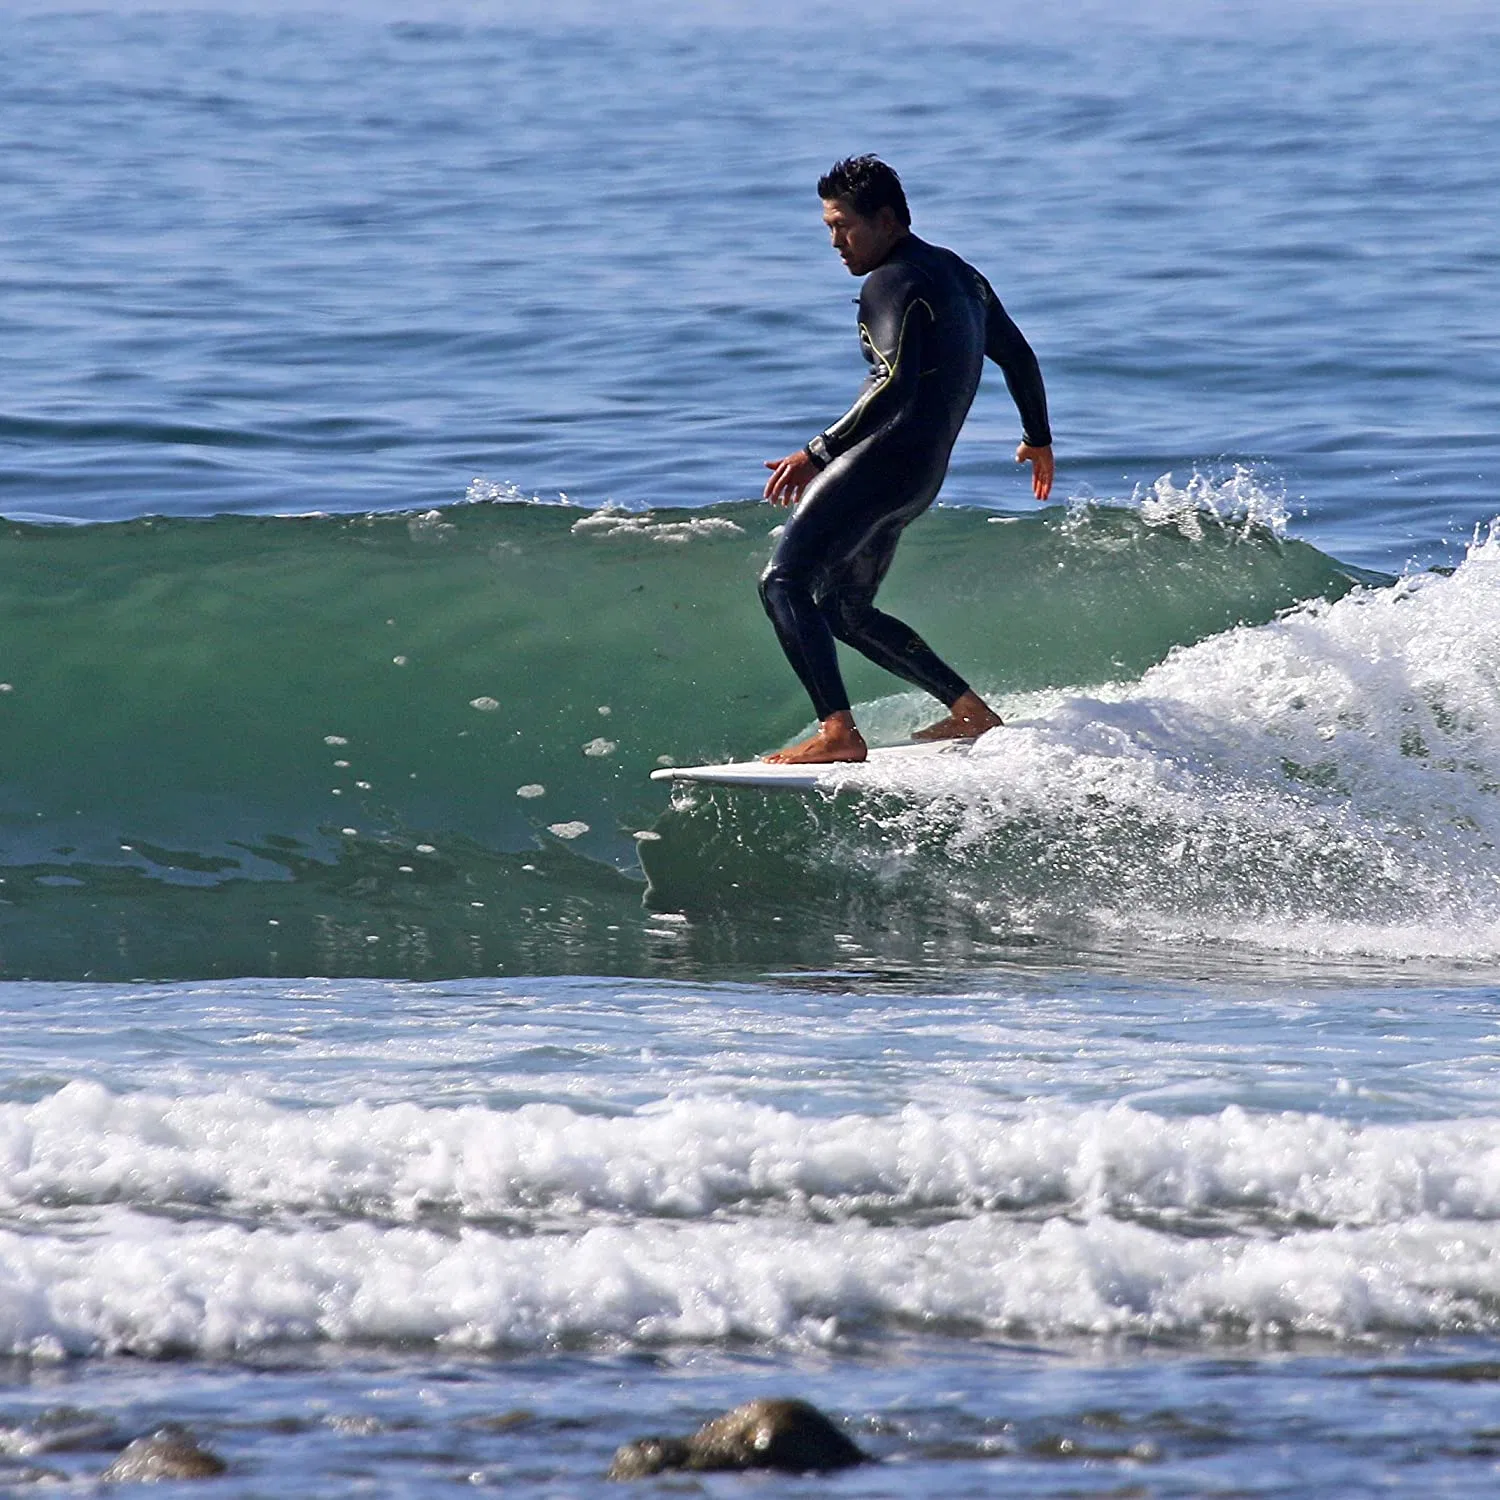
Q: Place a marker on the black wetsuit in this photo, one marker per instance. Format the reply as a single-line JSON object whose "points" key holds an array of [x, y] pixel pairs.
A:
{"points": [[926, 322]]}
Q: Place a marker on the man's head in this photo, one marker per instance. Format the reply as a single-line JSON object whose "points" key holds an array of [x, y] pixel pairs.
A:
{"points": [[865, 210]]}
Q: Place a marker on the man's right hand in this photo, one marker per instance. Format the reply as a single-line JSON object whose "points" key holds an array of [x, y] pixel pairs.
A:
{"points": [[789, 477], [1040, 460]]}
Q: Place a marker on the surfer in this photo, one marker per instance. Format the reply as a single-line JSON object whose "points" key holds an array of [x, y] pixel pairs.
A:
{"points": [[926, 322]]}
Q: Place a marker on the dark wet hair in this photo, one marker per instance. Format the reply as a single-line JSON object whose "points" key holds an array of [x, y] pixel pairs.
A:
{"points": [[868, 185]]}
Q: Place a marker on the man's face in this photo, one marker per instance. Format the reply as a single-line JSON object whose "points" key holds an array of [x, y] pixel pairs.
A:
{"points": [[861, 243]]}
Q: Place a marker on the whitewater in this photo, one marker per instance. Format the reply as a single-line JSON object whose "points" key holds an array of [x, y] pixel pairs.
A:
{"points": [[1325, 782], [737, 1199]]}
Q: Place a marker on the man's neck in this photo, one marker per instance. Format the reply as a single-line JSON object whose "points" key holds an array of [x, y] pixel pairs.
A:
{"points": [[894, 246]]}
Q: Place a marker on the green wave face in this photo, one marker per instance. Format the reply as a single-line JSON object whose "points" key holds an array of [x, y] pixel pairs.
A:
{"points": [[421, 744]]}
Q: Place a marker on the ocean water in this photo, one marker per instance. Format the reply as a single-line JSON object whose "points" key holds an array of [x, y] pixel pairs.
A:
{"points": [[399, 1089]]}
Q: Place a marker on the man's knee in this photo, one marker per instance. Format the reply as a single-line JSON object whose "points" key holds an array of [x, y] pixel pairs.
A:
{"points": [[774, 586], [781, 583], [846, 611]]}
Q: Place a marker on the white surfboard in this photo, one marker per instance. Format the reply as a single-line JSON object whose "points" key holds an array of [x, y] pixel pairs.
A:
{"points": [[883, 761]]}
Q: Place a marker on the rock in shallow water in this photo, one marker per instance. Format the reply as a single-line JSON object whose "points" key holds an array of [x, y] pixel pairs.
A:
{"points": [[167, 1454], [646, 1456], [775, 1434], [30, 1475]]}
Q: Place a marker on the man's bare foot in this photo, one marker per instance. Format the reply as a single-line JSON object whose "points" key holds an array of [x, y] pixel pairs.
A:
{"points": [[836, 740], [967, 719]]}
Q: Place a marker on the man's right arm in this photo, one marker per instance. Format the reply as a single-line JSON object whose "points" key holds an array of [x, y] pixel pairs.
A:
{"points": [[891, 326], [894, 319]]}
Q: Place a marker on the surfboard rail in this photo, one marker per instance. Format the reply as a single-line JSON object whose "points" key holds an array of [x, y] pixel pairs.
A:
{"points": [[771, 777]]}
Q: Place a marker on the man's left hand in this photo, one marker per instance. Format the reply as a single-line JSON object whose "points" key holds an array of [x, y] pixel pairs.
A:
{"points": [[789, 477], [1042, 466]]}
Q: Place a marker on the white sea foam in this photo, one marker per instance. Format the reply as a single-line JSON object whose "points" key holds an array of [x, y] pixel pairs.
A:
{"points": [[698, 1219], [484, 491], [693, 1158], [1333, 774], [612, 522], [140, 1284]]}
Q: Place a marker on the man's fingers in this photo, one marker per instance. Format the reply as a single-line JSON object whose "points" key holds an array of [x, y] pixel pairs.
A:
{"points": [[1042, 468], [787, 480], [1041, 476]]}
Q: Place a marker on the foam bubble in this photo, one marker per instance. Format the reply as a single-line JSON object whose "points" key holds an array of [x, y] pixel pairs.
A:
{"points": [[429, 526]]}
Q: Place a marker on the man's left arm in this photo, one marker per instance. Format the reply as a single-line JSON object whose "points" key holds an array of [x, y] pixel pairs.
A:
{"points": [[1006, 345]]}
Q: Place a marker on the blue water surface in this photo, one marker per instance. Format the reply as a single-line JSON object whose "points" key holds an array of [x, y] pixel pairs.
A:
{"points": [[270, 263]]}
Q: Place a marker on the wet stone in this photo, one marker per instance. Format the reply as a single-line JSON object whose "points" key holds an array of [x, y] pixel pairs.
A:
{"points": [[648, 1456], [167, 1454], [506, 1421], [789, 1435], [61, 1429], [30, 1474]]}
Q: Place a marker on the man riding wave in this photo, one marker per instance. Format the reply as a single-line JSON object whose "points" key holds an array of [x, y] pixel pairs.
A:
{"points": [[927, 321]]}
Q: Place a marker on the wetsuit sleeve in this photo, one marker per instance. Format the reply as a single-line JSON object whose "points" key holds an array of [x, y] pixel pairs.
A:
{"points": [[1006, 345], [893, 321]]}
